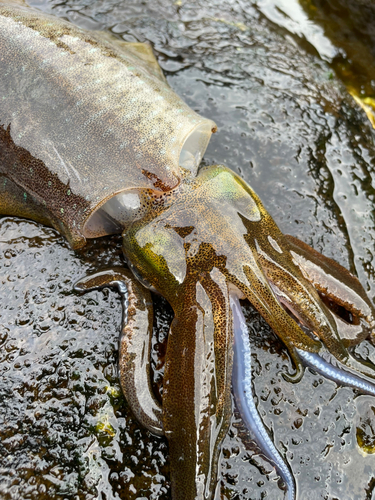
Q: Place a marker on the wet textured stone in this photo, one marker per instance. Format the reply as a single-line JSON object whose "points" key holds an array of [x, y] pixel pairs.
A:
{"points": [[288, 126]]}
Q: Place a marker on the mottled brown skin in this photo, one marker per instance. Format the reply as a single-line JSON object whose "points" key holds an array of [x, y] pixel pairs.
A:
{"points": [[134, 343], [338, 288], [81, 120], [213, 236]]}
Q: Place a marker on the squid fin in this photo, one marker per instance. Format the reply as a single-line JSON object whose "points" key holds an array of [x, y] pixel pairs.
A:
{"points": [[141, 50]]}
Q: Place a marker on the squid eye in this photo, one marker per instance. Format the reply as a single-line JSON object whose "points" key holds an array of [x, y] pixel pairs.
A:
{"points": [[140, 278], [114, 215]]}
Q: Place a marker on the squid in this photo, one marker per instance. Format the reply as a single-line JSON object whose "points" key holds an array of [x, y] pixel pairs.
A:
{"points": [[93, 142]]}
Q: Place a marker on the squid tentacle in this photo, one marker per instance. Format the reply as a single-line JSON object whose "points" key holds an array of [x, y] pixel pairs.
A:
{"points": [[337, 286], [135, 339], [260, 294], [242, 389], [323, 362], [330, 367], [197, 381], [299, 296], [299, 290], [295, 377]]}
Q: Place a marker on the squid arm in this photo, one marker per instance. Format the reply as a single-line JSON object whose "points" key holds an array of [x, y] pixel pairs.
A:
{"points": [[134, 344]]}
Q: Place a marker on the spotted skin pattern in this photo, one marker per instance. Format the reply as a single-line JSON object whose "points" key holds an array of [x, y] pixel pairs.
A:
{"points": [[134, 344], [83, 118], [216, 239], [80, 120]]}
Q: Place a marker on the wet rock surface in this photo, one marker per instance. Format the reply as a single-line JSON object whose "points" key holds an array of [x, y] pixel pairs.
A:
{"points": [[288, 126]]}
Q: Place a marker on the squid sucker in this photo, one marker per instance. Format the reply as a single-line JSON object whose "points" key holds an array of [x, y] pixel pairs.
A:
{"points": [[93, 142]]}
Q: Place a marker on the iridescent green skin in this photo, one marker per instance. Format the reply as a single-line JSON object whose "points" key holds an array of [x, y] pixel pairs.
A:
{"points": [[211, 238]]}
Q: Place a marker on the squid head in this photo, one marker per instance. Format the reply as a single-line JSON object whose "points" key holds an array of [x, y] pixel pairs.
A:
{"points": [[209, 241]]}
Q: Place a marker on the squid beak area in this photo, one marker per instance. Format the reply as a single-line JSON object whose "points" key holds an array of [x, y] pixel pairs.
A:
{"points": [[197, 386]]}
